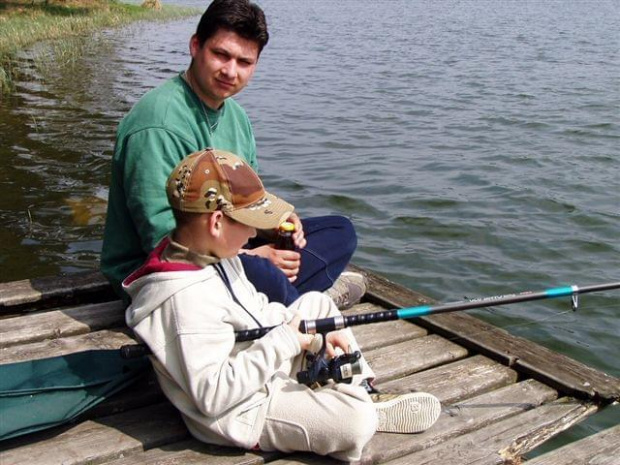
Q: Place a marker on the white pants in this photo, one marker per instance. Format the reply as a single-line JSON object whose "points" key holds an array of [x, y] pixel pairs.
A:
{"points": [[336, 419]]}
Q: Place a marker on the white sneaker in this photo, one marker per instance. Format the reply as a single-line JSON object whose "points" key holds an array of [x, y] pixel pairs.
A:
{"points": [[406, 413], [348, 289]]}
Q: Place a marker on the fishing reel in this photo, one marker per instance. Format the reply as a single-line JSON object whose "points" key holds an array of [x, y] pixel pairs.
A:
{"points": [[340, 369]]}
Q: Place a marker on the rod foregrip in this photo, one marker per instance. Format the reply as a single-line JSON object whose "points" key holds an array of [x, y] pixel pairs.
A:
{"points": [[367, 318]]}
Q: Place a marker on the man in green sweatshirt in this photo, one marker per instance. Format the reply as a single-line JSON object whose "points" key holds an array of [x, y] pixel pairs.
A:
{"points": [[195, 110]]}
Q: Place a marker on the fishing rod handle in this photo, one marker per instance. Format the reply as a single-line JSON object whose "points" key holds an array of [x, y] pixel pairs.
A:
{"points": [[323, 325], [251, 334], [129, 351]]}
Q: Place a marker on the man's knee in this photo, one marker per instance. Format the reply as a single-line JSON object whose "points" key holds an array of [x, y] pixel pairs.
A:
{"points": [[327, 231], [347, 232]]}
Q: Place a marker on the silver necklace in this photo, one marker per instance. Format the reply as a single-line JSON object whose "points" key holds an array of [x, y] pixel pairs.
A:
{"points": [[210, 127]]}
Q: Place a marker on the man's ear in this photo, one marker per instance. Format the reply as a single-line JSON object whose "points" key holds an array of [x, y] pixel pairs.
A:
{"points": [[194, 45]]}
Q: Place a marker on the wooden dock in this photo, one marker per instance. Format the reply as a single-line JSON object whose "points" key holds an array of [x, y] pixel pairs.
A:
{"points": [[502, 395]]}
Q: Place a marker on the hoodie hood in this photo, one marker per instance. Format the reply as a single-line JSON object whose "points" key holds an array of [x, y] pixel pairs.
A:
{"points": [[157, 280]]}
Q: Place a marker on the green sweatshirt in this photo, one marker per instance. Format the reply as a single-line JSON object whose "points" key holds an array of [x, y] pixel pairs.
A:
{"points": [[166, 124]]}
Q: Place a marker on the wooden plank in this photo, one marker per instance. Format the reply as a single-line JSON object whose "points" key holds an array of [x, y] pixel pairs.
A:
{"points": [[363, 307], [406, 358], [191, 452], [458, 420], [307, 459], [30, 294], [560, 371], [505, 441], [99, 340], [374, 336], [61, 323], [97, 441], [456, 381], [602, 448]]}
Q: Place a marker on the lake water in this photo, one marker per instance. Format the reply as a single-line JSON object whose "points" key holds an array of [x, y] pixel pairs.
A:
{"points": [[473, 144]]}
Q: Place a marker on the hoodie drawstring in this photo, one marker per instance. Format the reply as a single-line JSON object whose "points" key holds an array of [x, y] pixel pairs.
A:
{"points": [[220, 270]]}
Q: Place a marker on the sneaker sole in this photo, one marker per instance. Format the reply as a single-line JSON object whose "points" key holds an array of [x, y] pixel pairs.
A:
{"points": [[409, 413]]}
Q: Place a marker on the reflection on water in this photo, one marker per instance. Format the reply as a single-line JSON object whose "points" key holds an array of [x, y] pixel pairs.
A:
{"points": [[474, 148], [87, 211]]}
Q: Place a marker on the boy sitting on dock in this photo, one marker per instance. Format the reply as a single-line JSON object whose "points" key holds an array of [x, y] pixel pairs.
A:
{"points": [[192, 295]]}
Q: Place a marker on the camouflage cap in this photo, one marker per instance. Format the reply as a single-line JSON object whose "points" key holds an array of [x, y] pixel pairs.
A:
{"points": [[211, 180]]}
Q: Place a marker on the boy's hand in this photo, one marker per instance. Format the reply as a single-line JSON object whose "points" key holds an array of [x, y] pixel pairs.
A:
{"points": [[333, 340], [337, 339], [287, 260], [305, 340]]}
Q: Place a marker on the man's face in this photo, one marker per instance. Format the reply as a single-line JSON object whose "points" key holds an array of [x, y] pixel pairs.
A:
{"points": [[222, 67]]}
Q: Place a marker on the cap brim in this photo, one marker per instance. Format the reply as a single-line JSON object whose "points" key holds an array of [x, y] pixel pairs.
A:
{"points": [[268, 213]]}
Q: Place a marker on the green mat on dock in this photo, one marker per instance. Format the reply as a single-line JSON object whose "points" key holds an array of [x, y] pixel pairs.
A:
{"points": [[39, 394]]}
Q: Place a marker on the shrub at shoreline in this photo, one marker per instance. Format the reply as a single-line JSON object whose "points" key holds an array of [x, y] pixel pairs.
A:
{"points": [[24, 22]]}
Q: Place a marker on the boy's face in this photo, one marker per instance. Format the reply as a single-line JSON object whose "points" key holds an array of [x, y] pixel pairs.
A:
{"points": [[234, 236]]}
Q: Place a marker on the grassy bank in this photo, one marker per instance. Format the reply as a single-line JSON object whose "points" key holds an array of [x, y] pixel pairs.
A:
{"points": [[24, 22]]}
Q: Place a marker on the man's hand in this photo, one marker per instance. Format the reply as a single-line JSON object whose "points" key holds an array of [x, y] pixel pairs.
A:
{"points": [[287, 260], [298, 236]]}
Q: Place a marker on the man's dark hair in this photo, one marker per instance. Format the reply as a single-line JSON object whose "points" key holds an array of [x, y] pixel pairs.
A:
{"points": [[240, 16]]}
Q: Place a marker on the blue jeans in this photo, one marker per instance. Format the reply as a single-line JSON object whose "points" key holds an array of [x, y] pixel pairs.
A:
{"points": [[331, 241]]}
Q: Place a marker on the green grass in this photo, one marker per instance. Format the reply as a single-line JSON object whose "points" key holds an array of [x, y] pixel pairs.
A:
{"points": [[24, 22]]}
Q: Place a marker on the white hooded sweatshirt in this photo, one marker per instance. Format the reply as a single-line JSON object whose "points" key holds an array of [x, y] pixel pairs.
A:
{"points": [[188, 316]]}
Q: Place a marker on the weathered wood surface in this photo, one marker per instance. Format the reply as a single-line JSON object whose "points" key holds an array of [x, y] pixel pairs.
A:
{"points": [[98, 340], [602, 448], [487, 390], [553, 368], [405, 358], [447, 382], [191, 452], [61, 323], [103, 439], [32, 294], [504, 441]]}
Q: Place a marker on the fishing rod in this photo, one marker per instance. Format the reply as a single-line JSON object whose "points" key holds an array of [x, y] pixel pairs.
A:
{"points": [[325, 325]]}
